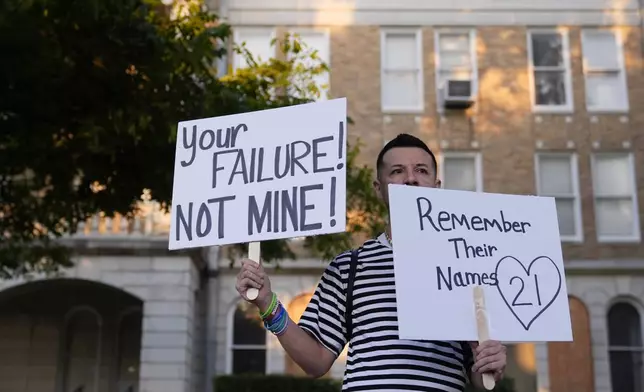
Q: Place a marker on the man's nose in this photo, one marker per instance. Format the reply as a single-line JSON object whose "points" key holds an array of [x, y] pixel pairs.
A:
{"points": [[411, 178]]}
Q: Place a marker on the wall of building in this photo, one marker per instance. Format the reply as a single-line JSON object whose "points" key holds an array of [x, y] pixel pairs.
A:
{"points": [[598, 294], [419, 12], [67, 335], [503, 128], [166, 285]]}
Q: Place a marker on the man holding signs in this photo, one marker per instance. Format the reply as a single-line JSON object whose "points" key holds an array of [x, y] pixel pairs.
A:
{"points": [[377, 359]]}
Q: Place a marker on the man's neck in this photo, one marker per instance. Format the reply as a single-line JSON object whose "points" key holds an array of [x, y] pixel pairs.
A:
{"points": [[388, 233]]}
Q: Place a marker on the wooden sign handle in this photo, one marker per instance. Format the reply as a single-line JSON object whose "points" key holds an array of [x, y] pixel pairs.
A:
{"points": [[483, 330], [254, 255]]}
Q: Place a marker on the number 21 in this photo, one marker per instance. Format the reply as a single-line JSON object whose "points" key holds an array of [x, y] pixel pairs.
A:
{"points": [[536, 284]]}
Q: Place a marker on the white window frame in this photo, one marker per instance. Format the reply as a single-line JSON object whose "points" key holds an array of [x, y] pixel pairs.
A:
{"points": [[569, 107], [630, 349], [635, 237], [478, 164], [474, 72], [272, 34], [132, 310], [576, 196], [420, 108], [621, 70], [230, 325], [326, 33], [63, 354]]}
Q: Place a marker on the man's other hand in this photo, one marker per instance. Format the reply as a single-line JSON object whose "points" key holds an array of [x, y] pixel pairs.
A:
{"points": [[489, 357]]}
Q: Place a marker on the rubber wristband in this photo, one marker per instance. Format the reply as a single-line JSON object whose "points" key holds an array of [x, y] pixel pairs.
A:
{"points": [[279, 326], [271, 307], [284, 328], [275, 310], [275, 322]]}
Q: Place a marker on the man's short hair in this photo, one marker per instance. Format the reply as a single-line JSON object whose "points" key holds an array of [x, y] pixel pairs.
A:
{"points": [[405, 140]]}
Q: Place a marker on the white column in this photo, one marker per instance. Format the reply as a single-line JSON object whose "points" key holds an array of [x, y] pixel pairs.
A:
{"points": [[212, 311], [596, 303], [168, 324]]}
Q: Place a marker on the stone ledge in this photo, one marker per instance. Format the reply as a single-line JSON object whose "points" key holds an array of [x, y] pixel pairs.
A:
{"points": [[167, 324], [165, 340], [413, 18], [163, 385], [156, 371], [165, 355], [168, 308], [604, 267]]}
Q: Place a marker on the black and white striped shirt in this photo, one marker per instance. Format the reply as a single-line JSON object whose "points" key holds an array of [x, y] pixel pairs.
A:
{"points": [[377, 359]]}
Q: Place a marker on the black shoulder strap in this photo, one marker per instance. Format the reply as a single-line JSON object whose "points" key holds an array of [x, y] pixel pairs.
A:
{"points": [[348, 319]]}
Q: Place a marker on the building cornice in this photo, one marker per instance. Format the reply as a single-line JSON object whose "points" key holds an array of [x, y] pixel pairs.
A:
{"points": [[431, 13], [605, 267]]}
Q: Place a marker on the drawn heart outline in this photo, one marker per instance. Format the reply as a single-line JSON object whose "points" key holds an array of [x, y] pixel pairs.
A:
{"points": [[527, 271]]}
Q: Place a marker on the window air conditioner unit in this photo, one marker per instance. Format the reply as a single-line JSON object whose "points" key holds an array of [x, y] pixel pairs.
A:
{"points": [[458, 94]]}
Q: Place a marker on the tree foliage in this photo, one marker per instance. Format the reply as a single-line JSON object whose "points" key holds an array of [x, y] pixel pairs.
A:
{"points": [[90, 95]]}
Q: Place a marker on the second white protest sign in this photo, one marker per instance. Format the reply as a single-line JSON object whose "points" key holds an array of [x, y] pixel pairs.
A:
{"points": [[257, 176], [447, 242]]}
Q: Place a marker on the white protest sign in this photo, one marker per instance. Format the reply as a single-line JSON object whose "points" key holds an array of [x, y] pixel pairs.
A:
{"points": [[447, 242], [262, 175]]}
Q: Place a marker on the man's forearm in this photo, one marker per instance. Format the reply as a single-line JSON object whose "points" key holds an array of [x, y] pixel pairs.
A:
{"points": [[305, 350]]}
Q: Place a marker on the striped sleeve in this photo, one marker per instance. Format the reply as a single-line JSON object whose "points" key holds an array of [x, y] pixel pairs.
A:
{"points": [[324, 316]]}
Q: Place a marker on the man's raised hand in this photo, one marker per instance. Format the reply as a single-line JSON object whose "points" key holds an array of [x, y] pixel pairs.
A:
{"points": [[252, 275]]}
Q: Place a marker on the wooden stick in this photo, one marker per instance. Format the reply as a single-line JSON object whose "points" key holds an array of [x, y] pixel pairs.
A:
{"points": [[254, 253], [483, 330]]}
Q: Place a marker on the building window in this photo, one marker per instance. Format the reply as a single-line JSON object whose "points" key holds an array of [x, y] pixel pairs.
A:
{"points": [[129, 350], [625, 348], [549, 61], [247, 341], [557, 177], [461, 171], [604, 72], [401, 68], [81, 354], [455, 58], [258, 42], [616, 213], [317, 43]]}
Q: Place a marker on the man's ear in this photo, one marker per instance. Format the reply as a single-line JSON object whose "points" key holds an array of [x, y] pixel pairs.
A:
{"points": [[376, 186]]}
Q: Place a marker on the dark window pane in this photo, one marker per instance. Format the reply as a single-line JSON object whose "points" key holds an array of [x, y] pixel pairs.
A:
{"points": [[566, 216], [626, 371], [547, 50], [550, 88], [249, 361], [129, 351], [248, 328], [624, 326], [82, 351]]}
